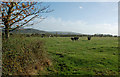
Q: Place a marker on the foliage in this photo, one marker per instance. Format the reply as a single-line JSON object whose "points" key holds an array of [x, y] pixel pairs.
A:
{"points": [[18, 14], [23, 56]]}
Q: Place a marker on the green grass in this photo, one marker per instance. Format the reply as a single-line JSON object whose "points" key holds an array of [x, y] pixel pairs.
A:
{"points": [[99, 56]]}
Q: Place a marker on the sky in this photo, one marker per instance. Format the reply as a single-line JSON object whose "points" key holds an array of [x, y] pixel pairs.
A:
{"points": [[81, 17]]}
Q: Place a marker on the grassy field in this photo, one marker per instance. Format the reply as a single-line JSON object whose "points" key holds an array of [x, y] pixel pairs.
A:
{"points": [[99, 56]]}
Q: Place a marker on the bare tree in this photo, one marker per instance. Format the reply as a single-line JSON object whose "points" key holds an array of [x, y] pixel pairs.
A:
{"points": [[18, 14]]}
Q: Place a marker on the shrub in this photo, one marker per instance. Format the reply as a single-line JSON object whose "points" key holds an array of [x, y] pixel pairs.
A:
{"points": [[23, 56]]}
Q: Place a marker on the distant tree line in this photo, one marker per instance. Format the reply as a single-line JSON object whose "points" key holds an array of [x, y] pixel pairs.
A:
{"points": [[103, 35], [61, 35], [83, 35]]}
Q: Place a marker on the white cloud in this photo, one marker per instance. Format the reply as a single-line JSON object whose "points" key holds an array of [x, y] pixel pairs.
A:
{"points": [[106, 28], [80, 7], [57, 24]]}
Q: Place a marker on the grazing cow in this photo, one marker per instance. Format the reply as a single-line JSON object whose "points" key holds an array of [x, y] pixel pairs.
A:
{"points": [[89, 38], [74, 38], [43, 35]]}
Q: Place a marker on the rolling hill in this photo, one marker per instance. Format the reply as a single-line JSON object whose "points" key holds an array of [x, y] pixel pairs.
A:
{"points": [[32, 31]]}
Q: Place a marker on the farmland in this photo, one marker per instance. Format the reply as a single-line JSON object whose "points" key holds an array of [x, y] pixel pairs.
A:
{"points": [[98, 56]]}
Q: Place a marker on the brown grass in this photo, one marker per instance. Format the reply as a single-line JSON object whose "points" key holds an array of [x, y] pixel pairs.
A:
{"points": [[24, 57]]}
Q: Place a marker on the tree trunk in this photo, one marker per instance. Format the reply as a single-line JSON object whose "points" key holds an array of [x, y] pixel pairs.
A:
{"points": [[7, 32]]}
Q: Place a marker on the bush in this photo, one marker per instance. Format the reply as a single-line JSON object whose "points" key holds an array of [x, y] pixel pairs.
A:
{"points": [[23, 56]]}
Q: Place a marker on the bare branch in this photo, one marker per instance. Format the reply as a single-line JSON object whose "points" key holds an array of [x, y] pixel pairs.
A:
{"points": [[24, 9], [16, 12], [40, 11], [24, 23]]}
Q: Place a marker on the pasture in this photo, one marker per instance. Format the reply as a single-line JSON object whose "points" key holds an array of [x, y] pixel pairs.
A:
{"points": [[98, 56]]}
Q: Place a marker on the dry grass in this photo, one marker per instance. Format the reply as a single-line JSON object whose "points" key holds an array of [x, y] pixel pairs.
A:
{"points": [[23, 56]]}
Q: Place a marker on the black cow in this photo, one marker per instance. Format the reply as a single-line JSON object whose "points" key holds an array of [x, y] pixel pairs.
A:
{"points": [[74, 38], [43, 35], [89, 38]]}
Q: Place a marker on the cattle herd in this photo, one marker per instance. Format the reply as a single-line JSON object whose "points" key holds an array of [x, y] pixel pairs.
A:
{"points": [[77, 38], [72, 38]]}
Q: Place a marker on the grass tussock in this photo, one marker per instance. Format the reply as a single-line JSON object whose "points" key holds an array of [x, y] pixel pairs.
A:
{"points": [[23, 56]]}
